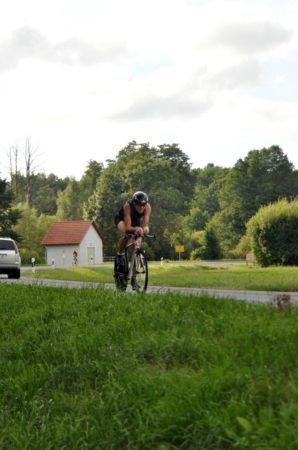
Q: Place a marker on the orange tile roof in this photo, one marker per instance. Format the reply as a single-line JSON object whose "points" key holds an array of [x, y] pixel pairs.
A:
{"points": [[68, 232]]}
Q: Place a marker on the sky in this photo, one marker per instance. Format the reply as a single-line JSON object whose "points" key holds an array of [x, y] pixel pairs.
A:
{"points": [[82, 78]]}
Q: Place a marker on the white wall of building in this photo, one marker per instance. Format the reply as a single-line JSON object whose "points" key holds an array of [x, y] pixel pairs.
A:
{"points": [[90, 250], [60, 255]]}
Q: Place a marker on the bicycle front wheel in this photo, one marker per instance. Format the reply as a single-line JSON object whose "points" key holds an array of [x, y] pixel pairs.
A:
{"points": [[140, 278], [120, 278]]}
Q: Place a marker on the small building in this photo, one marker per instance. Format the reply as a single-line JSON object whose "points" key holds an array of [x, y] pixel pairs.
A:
{"points": [[65, 239]]}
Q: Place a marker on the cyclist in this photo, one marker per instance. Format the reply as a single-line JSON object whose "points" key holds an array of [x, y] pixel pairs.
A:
{"points": [[75, 258], [133, 217]]}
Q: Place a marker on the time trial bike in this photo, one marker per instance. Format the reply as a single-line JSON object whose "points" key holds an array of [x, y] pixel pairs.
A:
{"points": [[132, 265]]}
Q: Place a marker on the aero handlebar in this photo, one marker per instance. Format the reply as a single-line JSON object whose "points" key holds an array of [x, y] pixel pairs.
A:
{"points": [[134, 235]]}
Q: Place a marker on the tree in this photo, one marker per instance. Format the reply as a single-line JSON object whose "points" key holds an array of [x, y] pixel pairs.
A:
{"points": [[14, 171], [74, 198], [140, 167], [90, 178], [103, 204], [30, 167], [23, 184], [180, 162], [262, 177], [205, 245], [205, 201], [8, 213], [31, 228], [45, 193], [69, 204]]}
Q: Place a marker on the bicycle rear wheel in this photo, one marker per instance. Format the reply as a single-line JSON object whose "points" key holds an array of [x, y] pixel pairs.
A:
{"points": [[140, 277]]}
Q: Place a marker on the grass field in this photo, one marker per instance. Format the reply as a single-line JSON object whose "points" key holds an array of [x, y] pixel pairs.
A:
{"points": [[224, 277], [96, 369]]}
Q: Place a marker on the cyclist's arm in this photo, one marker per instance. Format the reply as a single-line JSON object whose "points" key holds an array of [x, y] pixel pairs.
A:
{"points": [[127, 220], [146, 219]]}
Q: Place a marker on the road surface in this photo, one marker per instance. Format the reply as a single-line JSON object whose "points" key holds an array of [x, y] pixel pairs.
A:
{"points": [[271, 297]]}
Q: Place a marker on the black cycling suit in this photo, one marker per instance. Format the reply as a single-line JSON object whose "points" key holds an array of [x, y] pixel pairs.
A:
{"points": [[136, 217]]}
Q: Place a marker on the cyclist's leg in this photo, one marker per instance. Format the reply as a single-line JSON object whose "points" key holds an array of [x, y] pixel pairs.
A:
{"points": [[120, 278], [121, 243]]}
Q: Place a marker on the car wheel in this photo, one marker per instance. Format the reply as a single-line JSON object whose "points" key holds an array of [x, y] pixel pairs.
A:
{"points": [[16, 274]]}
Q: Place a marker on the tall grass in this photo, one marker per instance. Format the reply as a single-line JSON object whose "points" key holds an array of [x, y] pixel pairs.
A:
{"points": [[96, 369]]}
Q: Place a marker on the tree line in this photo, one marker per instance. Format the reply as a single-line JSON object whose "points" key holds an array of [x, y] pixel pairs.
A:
{"points": [[204, 209]]}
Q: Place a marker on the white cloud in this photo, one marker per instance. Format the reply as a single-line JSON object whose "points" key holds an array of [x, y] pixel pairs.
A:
{"points": [[28, 43], [251, 37], [193, 96], [84, 77]]}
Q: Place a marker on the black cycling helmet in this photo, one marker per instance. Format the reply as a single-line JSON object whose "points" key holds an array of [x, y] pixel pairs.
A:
{"points": [[140, 198]]}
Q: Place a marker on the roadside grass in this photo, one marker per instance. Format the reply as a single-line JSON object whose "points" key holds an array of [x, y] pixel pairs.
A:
{"points": [[98, 274], [234, 276], [98, 369]]}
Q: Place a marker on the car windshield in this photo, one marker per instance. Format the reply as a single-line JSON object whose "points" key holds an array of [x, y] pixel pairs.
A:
{"points": [[6, 245]]}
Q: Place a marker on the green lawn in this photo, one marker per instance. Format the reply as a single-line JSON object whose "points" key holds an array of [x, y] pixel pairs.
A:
{"points": [[234, 276], [97, 369]]}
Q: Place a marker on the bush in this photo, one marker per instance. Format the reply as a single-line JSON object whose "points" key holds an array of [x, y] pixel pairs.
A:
{"points": [[274, 233], [207, 245], [243, 247], [26, 256]]}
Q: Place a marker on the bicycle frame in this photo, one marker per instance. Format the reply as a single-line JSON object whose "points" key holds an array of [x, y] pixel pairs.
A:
{"points": [[133, 259], [136, 265]]}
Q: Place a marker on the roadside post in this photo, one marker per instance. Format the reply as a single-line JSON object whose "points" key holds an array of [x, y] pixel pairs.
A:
{"points": [[249, 258], [179, 249], [33, 264]]}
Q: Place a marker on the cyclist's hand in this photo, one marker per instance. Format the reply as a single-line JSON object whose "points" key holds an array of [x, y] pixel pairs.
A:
{"points": [[139, 231], [146, 230]]}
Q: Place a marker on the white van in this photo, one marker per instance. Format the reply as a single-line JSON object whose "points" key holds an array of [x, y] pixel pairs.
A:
{"points": [[10, 260]]}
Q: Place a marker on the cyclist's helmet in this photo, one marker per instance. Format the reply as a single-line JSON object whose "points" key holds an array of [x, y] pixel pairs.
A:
{"points": [[140, 198]]}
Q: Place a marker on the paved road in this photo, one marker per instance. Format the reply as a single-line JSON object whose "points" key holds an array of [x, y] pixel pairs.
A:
{"points": [[270, 297]]}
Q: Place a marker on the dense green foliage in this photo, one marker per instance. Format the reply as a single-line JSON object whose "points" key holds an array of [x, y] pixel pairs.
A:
{"points": [[264, 176], [44, 191], [31, 228], [274, 233], [205, 201], [206, 245], [206, 210], [93, 369], [70, 201], [8, 214], [164, 173]]}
